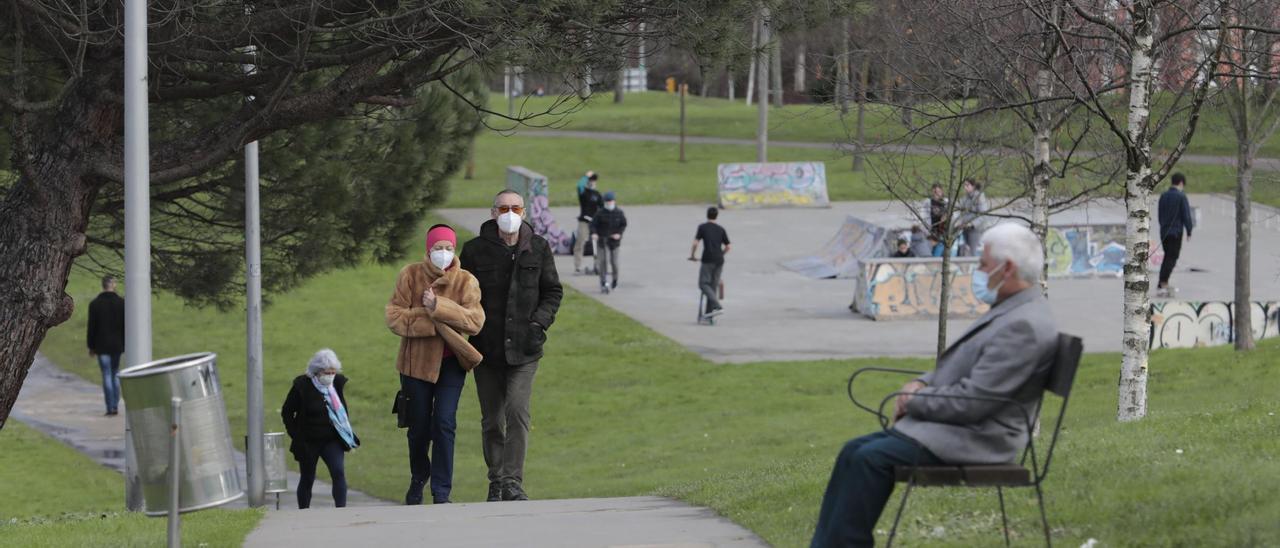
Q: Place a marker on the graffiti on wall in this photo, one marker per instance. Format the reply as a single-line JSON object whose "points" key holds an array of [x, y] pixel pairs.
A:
{"points": [[791, 184], [894, 289], [1093, 250], [535, 189], [855, 241], [1187, 324]]}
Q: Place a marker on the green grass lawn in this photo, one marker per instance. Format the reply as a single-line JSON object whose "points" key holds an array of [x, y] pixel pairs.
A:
{"points": [[620, 410], [55, 496], [651, 173], [659, 112]]}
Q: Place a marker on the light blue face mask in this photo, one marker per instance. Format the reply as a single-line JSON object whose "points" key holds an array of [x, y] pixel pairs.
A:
{"points": [[981, 291]]}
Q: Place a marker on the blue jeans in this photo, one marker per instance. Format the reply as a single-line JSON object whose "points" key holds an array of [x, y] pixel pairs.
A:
{"points": [[332, 453], [110, 366], [433, 424], [860, 485]]}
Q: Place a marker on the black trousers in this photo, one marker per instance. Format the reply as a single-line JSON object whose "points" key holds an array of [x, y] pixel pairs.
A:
{"points": [[332, 453], [1172, 249]]}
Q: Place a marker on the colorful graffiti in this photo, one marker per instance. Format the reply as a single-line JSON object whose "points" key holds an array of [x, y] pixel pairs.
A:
{"points": [[1093, 250], [792, 184], [1187, 324], [535, 189], [911, 289], [856, 240]]}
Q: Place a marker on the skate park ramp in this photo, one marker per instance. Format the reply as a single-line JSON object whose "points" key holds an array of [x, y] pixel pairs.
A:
{"points": [[534, 188], [839, 258]]}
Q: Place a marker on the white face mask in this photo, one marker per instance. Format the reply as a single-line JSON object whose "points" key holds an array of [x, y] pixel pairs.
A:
{"points": [[610, 206], [326, 380], [509, 222], [442, 258]]}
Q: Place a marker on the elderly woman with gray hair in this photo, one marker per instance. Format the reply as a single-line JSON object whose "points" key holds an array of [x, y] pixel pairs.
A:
{"points": [[315, 415]]}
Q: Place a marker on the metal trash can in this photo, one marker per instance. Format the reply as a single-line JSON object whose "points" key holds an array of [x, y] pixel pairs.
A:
{"points": [[208, 473], [276, 470]]}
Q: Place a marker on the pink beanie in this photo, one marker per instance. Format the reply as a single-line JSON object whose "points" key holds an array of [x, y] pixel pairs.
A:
{"points": [[439, 233]]}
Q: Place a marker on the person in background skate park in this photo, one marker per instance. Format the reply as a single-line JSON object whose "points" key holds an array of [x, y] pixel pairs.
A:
{"points": [[608, 225], [973, 221], [589, 201], [1175, 217], [715, 245]]}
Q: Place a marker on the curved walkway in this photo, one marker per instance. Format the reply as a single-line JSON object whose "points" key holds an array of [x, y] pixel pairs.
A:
{"points": [[1272, 164]]}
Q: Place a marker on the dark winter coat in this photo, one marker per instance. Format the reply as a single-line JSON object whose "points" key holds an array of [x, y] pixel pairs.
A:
{"points": [[607, 223], [1175, 214], [519, 290], [306, 416], [106, 324], [589, 202]]}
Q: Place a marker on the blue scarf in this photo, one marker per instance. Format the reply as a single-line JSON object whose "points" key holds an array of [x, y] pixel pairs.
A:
{"points": [[337, 413]]}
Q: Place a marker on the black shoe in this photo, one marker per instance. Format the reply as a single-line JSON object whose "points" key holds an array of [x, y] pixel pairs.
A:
{"points": [[615, 284], [513, 492], [413, 496], [495, 492]]}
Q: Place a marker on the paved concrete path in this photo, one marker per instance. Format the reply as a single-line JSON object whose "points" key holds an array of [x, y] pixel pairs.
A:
{"points": [[631, 522], [70, 409], [776, 314], [1261, 163]]}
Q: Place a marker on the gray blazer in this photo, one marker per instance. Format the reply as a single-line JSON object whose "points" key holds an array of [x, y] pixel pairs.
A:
{"points": [[1006, 353]]}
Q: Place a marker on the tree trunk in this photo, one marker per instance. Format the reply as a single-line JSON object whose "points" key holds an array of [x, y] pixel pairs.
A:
{"points": [[755, 58], [842, 69], [620, 86], [43, 219], [799, 83], [729, 78], [1132, 403], [864, 81], [944, 296], [775, 72], [762, 88], [1042, 172], [1243, 314]]}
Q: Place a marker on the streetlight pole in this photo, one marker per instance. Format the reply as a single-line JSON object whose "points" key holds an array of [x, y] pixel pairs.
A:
{"points": [[137, 216], [254, 467]]}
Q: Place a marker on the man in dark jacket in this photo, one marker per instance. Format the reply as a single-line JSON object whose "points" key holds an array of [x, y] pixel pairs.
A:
{"points": [[606, 236], [589, 201], [520, 293], [1175, 217], [106, 340]]}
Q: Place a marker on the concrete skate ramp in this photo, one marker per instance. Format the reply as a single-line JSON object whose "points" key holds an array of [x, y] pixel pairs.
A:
{"points": [[768, 185], [856, 240], [533, 187]]}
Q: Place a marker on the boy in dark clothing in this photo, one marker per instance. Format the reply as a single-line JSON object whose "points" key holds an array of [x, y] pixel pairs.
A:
{"points": [[1175, 216], [608, 225], [106, 340], [715, 244], [903, 251], [937, 212], [589, 202]]}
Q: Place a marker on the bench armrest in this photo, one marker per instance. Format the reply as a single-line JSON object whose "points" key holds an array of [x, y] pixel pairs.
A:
{"points": [[875, 370]]}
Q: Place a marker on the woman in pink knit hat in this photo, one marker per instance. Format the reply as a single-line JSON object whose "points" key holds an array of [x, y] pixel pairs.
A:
{"points": [[435, 307]]}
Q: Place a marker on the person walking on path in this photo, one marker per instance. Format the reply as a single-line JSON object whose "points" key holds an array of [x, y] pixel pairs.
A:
{"points": [[435, 306], [1175, 217], [106, 340], [315, 416], [715, 244], [520, 292], [589, 201], [973, 209], [608, 225]]}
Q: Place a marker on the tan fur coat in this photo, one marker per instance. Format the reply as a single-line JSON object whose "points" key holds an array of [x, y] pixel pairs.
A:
{"points": [[424, 334]]}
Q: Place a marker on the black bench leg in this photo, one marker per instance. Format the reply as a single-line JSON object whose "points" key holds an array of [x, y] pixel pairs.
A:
{"points": [[1044, 518], [902, 506], [1004, 518]]}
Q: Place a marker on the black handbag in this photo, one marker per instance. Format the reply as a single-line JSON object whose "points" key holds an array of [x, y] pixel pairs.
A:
{"points": [[400, 408]]}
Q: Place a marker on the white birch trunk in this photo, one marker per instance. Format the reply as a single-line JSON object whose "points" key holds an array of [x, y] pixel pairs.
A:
{"points": [[775, 70], [1132, 403], [762, 89], [755, 58], [1042, 171], [798, 82]]}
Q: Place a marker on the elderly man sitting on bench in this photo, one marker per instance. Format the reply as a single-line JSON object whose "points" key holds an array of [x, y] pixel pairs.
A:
{"points": [[1004, 354]]}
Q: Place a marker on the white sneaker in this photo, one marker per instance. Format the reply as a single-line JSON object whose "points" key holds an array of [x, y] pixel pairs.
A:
{"points": [[714, 313]]}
